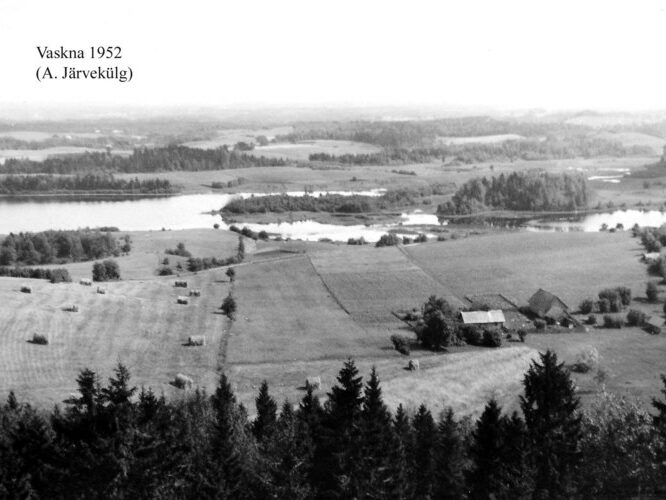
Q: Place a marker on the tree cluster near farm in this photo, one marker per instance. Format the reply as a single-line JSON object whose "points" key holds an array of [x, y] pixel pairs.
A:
{"points": [[519, 191], [60, 247], [351, 447]]}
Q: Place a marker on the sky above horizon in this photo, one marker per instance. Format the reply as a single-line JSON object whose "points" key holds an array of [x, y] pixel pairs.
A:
{"points": [[505, 55]]}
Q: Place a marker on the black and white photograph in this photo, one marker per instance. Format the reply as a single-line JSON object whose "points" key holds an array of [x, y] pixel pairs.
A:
{"points": [[364, 250]]}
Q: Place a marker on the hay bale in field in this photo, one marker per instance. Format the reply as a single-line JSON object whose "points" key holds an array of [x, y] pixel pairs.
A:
{"points": [[26, 288], [195, 293], [180, 284], [39, 338], [183, 381], [414, 365], [85, 282], [314, 382], [101, 290], [182, 300], [195, 340]]}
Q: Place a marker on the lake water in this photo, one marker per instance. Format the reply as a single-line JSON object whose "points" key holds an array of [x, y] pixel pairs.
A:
{"points": [[175, 212], [593, 222]]}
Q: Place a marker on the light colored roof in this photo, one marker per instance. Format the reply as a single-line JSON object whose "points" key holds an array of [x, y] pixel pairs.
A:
{"points": [[482, 317], [655, 321], [651, 255]]}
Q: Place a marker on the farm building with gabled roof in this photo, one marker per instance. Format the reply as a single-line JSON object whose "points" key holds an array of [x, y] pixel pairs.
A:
{"points": [[546, 305], [495, 317]]}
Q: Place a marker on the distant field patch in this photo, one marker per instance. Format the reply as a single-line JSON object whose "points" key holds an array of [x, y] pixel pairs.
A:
{"points": [[629, 139], [571, 265], [480, 139], [371, 283], [229, 137], [42, 154], [303, 149]]}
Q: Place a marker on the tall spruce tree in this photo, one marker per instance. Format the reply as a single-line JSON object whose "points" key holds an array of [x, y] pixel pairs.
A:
{"points": [[336, 461], [449, 458], [423, 453], [550, 407], [485, 477], [378, 444], [264, 425], [517, 474]]}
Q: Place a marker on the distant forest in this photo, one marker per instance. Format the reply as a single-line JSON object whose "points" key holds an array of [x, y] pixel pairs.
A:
{"points": [[542, 140], [114, 440], [331, 202], [163, 159], [21, 184], [523, 149], [60, 247], [530, 191]]}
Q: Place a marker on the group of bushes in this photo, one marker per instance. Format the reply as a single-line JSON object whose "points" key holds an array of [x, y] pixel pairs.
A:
{"points": [[59, 275], [611, 300], [180, 251], [200, 264], [106, 270], [248, 233]]}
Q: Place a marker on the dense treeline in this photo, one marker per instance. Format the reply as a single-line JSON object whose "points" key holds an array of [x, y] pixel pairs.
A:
{"points": [[533, 191], [161, 159], [332, 202], [50, 247], [115, 441], [511, 150], [20, 184], [53, 275]]}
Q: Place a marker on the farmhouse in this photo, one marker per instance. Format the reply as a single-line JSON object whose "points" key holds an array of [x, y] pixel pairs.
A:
{"points": [[488, 318], [548, 306]]}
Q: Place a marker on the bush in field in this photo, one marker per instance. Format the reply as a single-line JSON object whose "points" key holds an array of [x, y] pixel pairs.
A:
{"points": [[612, 321], [231, 274], [604, 306], [356, 241], [229, 306], [522, 334], [387, 240], [421, 238], [165, 271], [106, 270], [492, 338], [263, 235], [180, 250], [586, 360], [651, 291], [636, 318], [401, 344], [625, 295], [406, 240], [473, 335], [40, 339], [539, 324], [586, 306], [591, 319], [60, 276], [612, 295]]}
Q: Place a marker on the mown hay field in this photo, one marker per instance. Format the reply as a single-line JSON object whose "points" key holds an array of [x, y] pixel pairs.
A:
{"points": [[285, 313], [136, 322]]}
